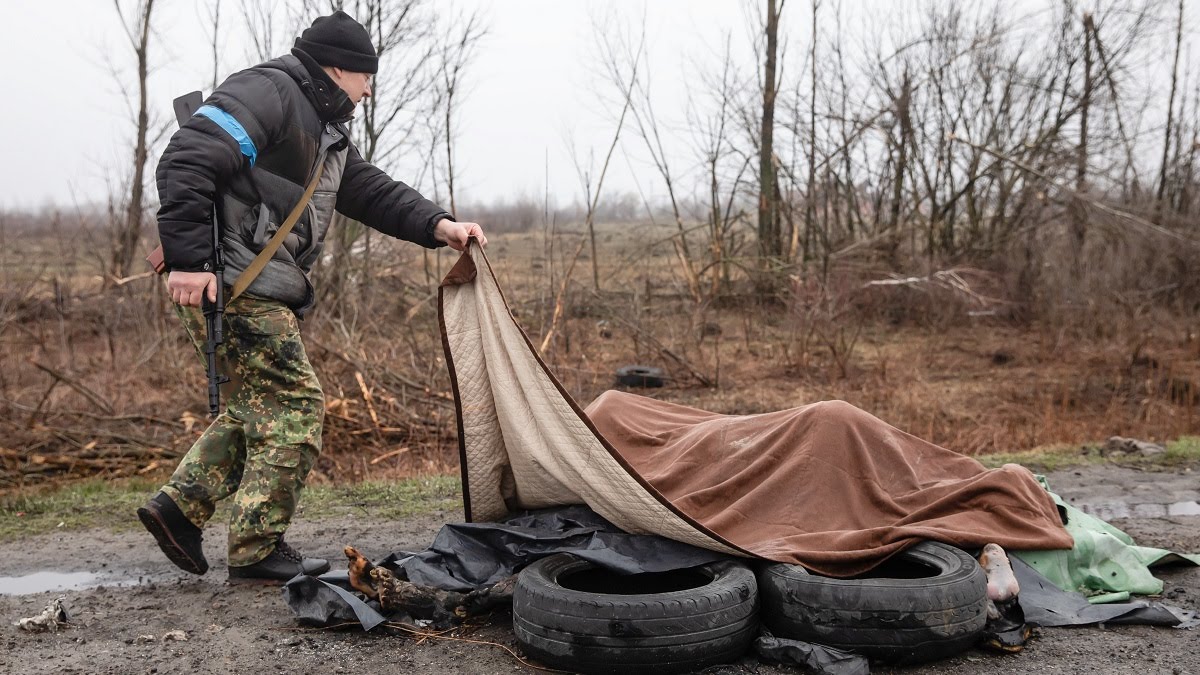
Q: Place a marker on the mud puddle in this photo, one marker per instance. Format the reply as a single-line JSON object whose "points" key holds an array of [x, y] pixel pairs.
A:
{"points": [[1115, 509], [42, 582]]}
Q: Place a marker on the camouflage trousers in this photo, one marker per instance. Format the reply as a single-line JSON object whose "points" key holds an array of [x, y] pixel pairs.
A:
{"points": [[262, 446]]}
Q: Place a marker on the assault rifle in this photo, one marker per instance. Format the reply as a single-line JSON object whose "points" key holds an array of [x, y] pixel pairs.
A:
{"points": [[214, 312]]}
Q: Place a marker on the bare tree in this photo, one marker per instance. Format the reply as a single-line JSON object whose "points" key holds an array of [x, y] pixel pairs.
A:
{"points": [[456, 54], [214, 23], [725, 168], [270, 24], [1162, 176], [129, 231], [621, 60], [770, 245], [592, 199], [1079, 215], [810, 192]]}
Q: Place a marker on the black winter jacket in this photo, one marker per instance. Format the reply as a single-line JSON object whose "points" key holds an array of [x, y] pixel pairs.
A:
{"points": [[253, 147]]}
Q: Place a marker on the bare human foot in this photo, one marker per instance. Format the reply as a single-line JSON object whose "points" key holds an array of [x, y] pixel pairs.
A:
{"points": [[1001, 582]]}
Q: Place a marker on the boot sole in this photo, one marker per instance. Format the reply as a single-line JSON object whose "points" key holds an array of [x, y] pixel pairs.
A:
{"points": [[174, 552], [268, 581]]}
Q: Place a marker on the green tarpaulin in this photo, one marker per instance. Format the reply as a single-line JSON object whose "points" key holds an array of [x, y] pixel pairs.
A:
{"points": [[1104, 564]]}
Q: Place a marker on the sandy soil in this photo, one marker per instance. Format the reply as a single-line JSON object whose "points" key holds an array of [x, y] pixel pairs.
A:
{"points": [[236, 629]]}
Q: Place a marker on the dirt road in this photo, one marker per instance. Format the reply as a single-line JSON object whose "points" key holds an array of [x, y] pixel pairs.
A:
{"points": [[120, 626]]}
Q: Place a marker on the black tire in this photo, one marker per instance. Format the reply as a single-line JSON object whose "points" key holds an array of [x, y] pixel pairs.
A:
{"points": [[671, 622], [894, 615], [641, 376]]}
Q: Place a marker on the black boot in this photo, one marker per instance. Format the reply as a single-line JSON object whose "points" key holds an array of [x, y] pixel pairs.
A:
{"points": [[281, 565], [175, 534]]}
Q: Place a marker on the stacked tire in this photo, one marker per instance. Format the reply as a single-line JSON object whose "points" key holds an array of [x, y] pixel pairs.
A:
{"points": [[925, 603], [570, 614], [928, 602]]}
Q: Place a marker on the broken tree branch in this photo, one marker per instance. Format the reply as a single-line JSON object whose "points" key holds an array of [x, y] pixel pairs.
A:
{"points": [[77, 386], [1067, 190]]}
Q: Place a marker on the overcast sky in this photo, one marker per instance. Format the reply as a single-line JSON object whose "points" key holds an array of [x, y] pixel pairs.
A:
{"points": [[532, 89]]}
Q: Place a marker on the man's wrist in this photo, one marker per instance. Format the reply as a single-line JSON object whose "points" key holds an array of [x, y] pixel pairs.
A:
{"points": [[432, 227]]}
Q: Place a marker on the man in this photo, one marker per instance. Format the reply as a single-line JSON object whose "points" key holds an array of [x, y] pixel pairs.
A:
{"points": [[251, 151]]}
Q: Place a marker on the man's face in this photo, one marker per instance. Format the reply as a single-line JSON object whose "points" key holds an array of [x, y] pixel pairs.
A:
{"points": [[356, 85]]}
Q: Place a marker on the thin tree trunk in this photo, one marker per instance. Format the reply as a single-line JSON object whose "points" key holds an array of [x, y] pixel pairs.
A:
{"points": [[216, 27], [902, 112], [129, 234], [1189, 167], [810, 209], [450, 150], [1162, 175], [768, 225], [1129, 167], [1078, 210]]}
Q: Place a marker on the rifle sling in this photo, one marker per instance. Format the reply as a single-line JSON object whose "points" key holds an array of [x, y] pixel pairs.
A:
{"points": [[260, 261]]}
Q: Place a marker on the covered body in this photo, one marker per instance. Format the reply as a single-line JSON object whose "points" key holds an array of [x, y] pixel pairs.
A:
{"points": [[825, 485]]}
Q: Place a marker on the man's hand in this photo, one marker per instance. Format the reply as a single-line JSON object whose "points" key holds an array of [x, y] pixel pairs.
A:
{"points": [[457, 234], [187, 288]]}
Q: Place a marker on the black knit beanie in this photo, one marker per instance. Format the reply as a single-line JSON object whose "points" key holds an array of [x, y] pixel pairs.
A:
{"points": [[339, 41]]}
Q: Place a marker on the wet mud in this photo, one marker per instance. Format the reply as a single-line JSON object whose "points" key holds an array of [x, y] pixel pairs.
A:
{"points": [[126, 602]]}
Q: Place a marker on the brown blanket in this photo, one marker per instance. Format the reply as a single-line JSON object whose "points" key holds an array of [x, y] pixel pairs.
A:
{"points": [[825, 485]]}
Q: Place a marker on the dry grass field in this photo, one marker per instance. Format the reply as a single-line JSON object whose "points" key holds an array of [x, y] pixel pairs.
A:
{"points": [[101, 381]]}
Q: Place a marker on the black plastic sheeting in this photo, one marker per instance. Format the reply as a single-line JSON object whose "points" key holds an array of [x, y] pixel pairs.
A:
{"points": [[468, 556], [1047, 605], [812, 658], [327, 602]]}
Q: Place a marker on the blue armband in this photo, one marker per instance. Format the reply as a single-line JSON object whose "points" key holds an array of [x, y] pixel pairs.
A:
{"points": [[232, 127]]}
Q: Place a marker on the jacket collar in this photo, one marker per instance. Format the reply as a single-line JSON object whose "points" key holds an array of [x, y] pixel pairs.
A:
{"points": [[332, 104]]}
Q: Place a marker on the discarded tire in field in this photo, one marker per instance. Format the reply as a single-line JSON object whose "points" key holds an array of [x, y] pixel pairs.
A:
{"points": [[925, 603], [640, 376], [573, 615]]}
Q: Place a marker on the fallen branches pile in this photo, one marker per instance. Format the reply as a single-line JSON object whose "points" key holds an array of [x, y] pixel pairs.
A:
{"points": [[371, 431]]}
